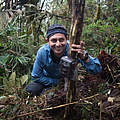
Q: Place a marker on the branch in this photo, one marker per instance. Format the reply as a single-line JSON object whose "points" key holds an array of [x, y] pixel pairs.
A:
{"points": [[56, 107]]}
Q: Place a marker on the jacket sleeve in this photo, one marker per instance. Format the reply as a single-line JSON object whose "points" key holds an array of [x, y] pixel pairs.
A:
{"points": [[93, 66], [37, 72]]}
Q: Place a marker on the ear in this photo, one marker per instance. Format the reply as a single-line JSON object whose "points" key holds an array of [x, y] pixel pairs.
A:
{"points": [[46, 39]]}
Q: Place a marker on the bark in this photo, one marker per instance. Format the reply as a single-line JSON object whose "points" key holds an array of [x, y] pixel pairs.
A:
{"points": [[75, 34]]}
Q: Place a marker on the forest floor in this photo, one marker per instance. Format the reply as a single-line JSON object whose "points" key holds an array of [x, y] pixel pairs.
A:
{"points": [[97, 98]]}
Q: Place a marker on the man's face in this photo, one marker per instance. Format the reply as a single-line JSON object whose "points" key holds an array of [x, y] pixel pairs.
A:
{"points": [[58, 43]]}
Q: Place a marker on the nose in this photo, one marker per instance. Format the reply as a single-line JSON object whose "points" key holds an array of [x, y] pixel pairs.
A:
{"points": [[58, 43]]}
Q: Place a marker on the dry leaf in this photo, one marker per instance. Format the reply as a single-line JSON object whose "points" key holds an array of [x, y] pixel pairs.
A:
{"points": [[111, 99]]}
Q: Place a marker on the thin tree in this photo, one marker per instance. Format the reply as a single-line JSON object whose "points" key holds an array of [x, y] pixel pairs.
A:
{"points": [[75, 34]]}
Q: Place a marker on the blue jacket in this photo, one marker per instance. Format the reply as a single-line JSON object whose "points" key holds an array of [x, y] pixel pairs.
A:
{"points": [[46, 71]]}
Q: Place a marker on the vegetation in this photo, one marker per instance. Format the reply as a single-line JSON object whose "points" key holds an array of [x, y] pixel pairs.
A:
{"points": [[23, 27]]}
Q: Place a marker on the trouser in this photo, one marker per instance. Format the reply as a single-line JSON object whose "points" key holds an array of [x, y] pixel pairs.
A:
{"points": [[35, 88]]}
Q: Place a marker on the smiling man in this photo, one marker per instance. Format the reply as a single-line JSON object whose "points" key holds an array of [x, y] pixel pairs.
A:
{"points": [[57, 44], [46, 68]]}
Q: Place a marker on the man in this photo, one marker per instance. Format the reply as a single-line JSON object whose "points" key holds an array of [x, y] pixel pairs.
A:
{"points": [[46, 67]]}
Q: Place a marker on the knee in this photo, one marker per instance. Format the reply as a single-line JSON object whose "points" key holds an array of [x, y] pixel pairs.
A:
{"points": [[34, 88]]}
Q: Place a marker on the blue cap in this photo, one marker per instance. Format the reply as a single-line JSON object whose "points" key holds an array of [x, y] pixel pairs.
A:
{"points": [[56, 28]]}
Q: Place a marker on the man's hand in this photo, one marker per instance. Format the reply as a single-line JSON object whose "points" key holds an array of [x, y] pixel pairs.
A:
{"points": [[80, 49]]}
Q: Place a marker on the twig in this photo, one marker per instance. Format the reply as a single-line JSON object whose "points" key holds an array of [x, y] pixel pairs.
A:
{"points": [[101, 110], [113, 106], [13, 52], [51, 108], [110, 71]]}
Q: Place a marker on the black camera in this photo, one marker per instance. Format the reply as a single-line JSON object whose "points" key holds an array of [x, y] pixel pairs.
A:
{"points": [[67, 66]]}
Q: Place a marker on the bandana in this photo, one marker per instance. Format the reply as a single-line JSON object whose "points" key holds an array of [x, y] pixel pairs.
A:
{"points": [[56, 28]]}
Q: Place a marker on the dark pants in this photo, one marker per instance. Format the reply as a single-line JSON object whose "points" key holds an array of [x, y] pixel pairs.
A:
{"points": [[35, 88]]}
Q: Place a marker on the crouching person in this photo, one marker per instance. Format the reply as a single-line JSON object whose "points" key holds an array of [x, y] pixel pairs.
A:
{"points": [[46, 68]]}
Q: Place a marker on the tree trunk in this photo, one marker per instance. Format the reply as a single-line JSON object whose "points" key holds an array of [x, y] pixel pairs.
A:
{"points": [[75, 34]]}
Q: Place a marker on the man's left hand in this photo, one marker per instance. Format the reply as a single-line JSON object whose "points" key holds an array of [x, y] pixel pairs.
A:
{"points": [[80, 49]]}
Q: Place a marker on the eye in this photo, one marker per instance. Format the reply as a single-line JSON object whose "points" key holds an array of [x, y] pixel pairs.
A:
{"points": [[54, 40], [61, 40]]}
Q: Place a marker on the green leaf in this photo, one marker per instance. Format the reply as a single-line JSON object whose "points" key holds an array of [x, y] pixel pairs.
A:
{"points": [[18, 83], [6, 84], [3, 99], [24, 79], [4, 59], [12, 77]]}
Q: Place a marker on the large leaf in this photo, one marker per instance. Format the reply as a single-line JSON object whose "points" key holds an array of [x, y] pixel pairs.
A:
{"points": [[6, 84], [9, 84], [24, 79], [18, 83], [12, 78], [3, 20]]}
